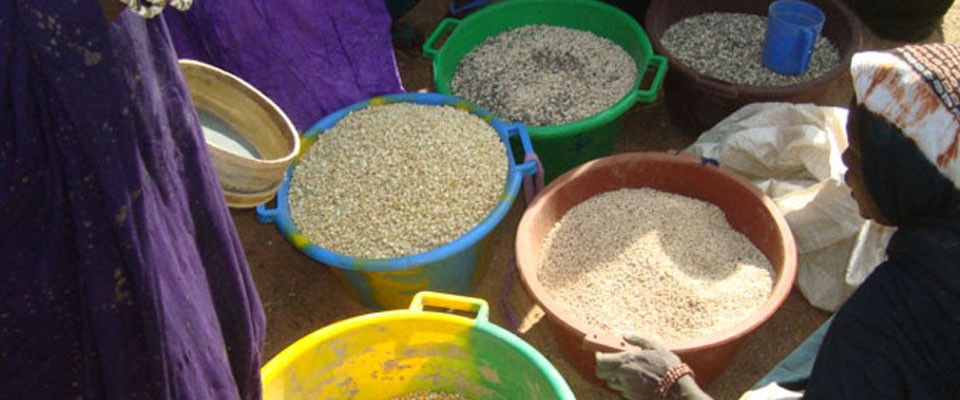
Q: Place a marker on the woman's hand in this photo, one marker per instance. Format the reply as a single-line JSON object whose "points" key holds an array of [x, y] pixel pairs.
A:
{"points": [[636, 373]]}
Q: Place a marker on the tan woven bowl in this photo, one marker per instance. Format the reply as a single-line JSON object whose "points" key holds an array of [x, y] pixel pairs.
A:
{"points": [[249, 138]]}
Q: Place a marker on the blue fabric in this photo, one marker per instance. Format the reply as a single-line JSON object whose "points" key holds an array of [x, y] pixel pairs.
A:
{"points": [[310, 57], [121, 274], [399, 8], [793, 371]]}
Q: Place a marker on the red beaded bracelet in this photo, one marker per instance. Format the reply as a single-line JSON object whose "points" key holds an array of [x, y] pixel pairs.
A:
{"points": [[673, 375]]}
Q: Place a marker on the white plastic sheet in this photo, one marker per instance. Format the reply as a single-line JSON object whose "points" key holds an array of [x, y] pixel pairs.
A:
{"points": [[792, 153], [771, 392]]}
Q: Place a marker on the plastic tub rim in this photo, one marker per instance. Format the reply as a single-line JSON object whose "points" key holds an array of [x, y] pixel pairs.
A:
{"points": [[601, 118], [753, 90], [284, 221], [604, 341], [311, 341]]}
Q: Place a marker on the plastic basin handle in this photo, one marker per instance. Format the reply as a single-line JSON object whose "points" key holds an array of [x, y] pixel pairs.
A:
{"points": [[452, 302], [659, 63], [519, 129], [448, 24], [267, 215]]}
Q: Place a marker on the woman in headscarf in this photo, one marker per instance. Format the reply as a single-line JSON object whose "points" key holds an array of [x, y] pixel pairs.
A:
{"points": [[121, 273], [898, 336]]}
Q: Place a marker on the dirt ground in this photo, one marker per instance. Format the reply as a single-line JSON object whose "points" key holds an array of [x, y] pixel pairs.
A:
{"points": [[300, 296]]}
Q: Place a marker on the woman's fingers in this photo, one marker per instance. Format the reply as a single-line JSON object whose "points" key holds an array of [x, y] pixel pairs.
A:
{"points": [[610, 361], [641, 342]]}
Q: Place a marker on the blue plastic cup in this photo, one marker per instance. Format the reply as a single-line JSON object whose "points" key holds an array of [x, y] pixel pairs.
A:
{"points": [[793, 27]]}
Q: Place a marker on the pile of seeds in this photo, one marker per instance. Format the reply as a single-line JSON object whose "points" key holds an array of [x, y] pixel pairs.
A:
{"points": [[399, 179], [545, 75], [729, 47], [663, 265], [430, 396]]}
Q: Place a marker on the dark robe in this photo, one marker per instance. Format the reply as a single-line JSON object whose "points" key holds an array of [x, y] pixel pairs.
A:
{"points": [[121, 273]]}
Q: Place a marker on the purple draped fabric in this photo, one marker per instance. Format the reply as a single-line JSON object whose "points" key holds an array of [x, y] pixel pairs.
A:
{"points": [[121, 274], [310, 57]]}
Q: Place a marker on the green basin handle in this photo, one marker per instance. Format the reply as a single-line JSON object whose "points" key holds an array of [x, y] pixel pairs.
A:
{"points": [[452, 302], [448, 24], [650, 94]]}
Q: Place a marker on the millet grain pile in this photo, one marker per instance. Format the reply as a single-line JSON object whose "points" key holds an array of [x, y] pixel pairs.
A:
{"points": [[663, 265], [398, 179], [545, 75]]}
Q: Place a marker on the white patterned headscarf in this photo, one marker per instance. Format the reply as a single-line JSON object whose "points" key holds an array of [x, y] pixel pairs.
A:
{"points": [[916, 88]]}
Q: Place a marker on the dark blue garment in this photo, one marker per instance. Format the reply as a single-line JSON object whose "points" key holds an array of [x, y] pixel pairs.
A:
{"points": [[793, 371], [121, 274], [898, 336]]}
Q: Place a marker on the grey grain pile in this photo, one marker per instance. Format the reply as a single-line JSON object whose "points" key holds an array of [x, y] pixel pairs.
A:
{"points": [[663, 265], [545, 75], [399, 179], [729, 47]]}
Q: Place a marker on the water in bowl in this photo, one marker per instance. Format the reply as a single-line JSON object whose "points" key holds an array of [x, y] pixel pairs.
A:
{"points": [[220, 133]]}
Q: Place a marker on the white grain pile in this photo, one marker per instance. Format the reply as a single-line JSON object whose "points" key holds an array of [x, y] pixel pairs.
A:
{"points": [[399, 179], [663, 265], [545, 75]]}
